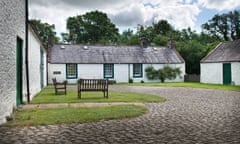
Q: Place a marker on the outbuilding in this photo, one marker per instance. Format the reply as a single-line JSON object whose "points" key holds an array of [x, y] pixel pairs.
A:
{"points": [[222, 65]]}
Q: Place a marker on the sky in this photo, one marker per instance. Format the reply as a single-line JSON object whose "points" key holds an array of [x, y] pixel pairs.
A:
{"points": [[129, 13]]}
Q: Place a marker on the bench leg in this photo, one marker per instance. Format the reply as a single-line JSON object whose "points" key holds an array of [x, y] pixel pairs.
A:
{"points": [[105, 94], [79, 94]]}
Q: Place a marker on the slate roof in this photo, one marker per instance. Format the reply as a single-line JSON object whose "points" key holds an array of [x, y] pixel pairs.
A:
{"points": [[224, 52], [66, 53]]}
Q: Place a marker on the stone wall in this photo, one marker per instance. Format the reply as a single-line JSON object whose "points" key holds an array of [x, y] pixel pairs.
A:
{"points": [[12, 25]]}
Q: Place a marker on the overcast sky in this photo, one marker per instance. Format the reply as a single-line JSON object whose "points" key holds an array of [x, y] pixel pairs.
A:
{"points": [[129, 13]]}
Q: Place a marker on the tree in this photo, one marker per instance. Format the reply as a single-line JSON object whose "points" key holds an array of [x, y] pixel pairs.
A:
{"points": [[44, 30], [129, 38], [226, 26], [166, 72], [92, 27], [162, 27]]}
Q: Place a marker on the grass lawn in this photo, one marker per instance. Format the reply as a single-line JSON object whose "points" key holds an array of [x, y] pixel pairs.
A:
{"points": [[48, 96], [187, 84], [27, 117]]}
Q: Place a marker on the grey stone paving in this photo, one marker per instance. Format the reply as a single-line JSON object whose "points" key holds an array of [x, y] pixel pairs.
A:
{"points": [[190, 116]]}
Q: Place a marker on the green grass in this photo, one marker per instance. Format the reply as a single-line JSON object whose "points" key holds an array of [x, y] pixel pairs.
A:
{"points": [[48, 96], [187, 84], [27, 117]]}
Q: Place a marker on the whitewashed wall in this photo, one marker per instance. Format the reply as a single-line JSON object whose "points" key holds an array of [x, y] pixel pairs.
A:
{"points": [[122, 72], [211, 73], [236, 72], [56, 67], [34, 63], [12, 25]]}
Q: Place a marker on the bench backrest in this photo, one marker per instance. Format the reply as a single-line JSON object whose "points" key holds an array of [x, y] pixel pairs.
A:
{"points": [[93, 84], [54, 81]]}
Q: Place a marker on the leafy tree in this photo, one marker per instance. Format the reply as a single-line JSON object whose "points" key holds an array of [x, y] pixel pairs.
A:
{"points": [[192, 52], [44, 30], [92, 27], [226, 26], [166, 72], [129, 38], [162, 27]]}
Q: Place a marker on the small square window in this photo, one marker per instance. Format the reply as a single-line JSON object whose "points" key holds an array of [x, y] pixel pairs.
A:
{"points": [[108, 70], [71, 71]]}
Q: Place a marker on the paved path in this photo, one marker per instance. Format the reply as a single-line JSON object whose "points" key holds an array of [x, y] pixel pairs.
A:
{"points": [[189, 116]]}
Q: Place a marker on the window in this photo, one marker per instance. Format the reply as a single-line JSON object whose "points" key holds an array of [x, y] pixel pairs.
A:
{"points": [[71, 71], [137, 70], [108, 70]]}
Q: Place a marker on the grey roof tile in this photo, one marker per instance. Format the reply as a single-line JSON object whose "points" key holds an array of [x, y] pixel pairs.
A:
{"points": [[112, 54], [224, 52]]}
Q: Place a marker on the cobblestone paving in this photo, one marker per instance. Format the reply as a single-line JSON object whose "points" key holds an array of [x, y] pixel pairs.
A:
{"points": [[190, 116]]}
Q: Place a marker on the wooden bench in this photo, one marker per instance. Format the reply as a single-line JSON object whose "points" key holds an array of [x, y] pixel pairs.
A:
{"points": [[93, 85], [59, 86]]}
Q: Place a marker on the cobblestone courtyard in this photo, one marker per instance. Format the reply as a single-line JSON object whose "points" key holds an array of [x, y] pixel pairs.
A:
{"points": [[189, 116]]}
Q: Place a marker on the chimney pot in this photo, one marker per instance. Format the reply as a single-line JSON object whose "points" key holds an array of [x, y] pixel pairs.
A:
{"points": [[171, 43], [144, 42], [50, 45]]}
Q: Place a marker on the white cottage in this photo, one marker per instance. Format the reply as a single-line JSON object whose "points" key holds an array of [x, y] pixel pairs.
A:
{"points": [[222, 65], [120, 63]]}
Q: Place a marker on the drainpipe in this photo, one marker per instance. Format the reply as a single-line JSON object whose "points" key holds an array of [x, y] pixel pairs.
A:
{"points": [[26, 52]]}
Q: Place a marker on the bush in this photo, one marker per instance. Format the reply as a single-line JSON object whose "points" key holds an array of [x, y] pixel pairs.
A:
{"points": [[130, 80], [162, 74], [142, 81]]}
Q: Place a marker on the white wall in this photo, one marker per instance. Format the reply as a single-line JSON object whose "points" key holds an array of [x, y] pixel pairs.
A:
{"points": [[88, 71], [122, 72], [236, 72], [56, 67], [34, 63], [12, 25], [159, 66], [211, 73]]}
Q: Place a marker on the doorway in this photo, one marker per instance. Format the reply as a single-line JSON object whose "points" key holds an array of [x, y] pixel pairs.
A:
{"points": [[227, 74], [19, 67]]}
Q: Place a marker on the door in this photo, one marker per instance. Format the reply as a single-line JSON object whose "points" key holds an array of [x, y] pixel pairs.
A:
{"points": [[19, 71], [227, 74], [41, 68]]}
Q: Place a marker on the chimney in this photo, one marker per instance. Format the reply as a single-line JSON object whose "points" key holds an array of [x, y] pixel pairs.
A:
{"points": [[171, 43], [50, 45], [144, 42]]}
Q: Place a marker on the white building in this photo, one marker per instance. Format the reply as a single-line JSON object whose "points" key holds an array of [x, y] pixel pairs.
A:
{"points": [[16, 87], [119, 63], [37, 56], [222, 65], [12, 56]]}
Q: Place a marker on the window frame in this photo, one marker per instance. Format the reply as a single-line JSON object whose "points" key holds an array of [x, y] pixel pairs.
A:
{"points": [[112, 70], [67, 72], [135, 74]]}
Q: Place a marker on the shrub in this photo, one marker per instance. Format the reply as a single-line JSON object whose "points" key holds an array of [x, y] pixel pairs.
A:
{"points": [[130, 80], [162, 74]]}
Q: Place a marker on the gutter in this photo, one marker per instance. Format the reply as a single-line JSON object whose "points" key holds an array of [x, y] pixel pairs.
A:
{"points": [[26, 50]]}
